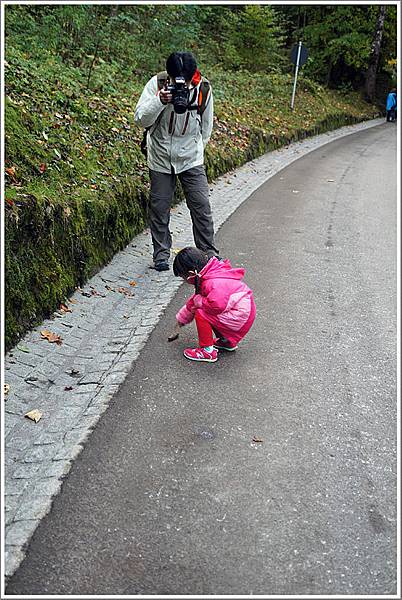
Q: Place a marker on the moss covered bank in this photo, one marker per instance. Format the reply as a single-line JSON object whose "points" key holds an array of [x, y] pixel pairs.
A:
{"points": [[76, 181]]}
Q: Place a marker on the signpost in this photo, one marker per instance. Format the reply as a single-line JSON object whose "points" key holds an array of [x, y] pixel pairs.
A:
{"points": [[298, 56]]}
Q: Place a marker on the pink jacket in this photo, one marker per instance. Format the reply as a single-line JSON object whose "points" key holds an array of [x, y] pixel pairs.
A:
{"points": [[224, 300]]}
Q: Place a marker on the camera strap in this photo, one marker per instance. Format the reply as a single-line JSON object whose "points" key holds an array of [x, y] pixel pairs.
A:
{"points": [[193, 99]]}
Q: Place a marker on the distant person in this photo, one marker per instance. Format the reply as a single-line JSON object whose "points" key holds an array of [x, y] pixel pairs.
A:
{"points": [[391, 106], [176, 108], [222, 304]]}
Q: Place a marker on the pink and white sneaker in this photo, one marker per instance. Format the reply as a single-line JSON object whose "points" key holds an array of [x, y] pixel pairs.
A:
{"points": [[201, 355]]}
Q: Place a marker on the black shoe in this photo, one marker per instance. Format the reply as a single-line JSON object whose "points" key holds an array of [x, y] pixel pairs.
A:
{"points": [[161, 266], [215, 256]]}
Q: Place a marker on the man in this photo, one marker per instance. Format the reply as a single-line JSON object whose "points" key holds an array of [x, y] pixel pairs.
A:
{"points": [[176, 138]]}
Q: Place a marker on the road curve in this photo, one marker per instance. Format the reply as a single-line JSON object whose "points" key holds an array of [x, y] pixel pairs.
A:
{"points": [[171, 496]]}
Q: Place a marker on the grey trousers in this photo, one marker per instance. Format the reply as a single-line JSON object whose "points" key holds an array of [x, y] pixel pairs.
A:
{"points": [[196, 191]]}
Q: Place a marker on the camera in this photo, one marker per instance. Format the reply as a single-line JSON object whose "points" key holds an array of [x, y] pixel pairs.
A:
{"points": [[180, 93]]}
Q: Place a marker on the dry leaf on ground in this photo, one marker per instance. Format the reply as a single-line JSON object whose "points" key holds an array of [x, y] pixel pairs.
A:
{"points": [[73, 372], [53, 338], [6, 389], [34, 415], [11, 171], [65, 308], [124, 291], [133, 283]]}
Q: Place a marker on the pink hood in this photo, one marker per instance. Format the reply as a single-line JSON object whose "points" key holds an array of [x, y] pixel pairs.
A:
{"points": [[220, 269]]}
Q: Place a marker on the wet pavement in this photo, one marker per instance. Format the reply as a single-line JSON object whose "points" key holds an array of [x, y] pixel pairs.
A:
{"points": [[103, 338]]}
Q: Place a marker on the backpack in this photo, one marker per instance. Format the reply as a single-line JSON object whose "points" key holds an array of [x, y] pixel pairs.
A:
{"points": [[162, 78]]}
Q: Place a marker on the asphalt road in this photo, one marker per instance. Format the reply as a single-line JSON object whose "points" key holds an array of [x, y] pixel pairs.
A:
{"points": [[171, 495]]}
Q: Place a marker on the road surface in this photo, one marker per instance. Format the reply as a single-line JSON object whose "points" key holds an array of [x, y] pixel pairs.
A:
{"points": [[172, 496]]}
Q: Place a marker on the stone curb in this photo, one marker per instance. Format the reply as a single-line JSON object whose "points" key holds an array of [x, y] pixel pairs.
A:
{"points": [[111, 319]]}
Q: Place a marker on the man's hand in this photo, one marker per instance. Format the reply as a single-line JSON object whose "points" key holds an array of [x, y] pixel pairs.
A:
{"points": [[165, 96]]}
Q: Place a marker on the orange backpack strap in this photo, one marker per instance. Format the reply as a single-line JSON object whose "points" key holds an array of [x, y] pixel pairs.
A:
{"points": [[203, 95]]}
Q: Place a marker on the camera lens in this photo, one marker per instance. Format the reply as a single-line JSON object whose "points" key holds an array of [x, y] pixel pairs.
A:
{"points": [[180, 101]]}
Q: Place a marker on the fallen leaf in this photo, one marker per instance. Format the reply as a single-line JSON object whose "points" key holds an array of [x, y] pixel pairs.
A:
{"points": [[34, 415], [176, 250], [65, 308], [72, 301], [11, 171], [6, 389], [73, 372], [51, 337], [124, 291], [133, 283], [96, 293], [9, 202], [257, 440], [42, 167], [23, 348]]}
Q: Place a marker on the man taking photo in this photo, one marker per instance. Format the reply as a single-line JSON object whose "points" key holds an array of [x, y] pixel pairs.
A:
{"points": [[176, 109]]}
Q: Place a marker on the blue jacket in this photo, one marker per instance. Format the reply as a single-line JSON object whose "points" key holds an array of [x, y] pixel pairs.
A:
{"points": [[391, 101]]}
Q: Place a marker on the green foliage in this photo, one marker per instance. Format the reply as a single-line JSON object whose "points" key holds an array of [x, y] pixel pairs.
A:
{"points": [[258, 40], [339, 40]]}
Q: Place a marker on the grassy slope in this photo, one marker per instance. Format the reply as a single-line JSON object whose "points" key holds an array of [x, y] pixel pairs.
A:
{"points": [[76, 181]]}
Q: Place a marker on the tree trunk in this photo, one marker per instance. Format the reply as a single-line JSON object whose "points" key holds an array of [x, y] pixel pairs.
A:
{"points": [[93, 62], [375, 55]]}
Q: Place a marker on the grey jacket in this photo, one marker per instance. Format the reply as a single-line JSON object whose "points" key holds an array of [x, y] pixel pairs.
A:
{"points": [[173, 140]]}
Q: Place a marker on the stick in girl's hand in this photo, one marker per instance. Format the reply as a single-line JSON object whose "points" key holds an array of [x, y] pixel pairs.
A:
{"points": [[173, 336]]}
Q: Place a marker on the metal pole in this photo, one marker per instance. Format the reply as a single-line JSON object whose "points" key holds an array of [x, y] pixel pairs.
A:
{"points": [[295, 81]]}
